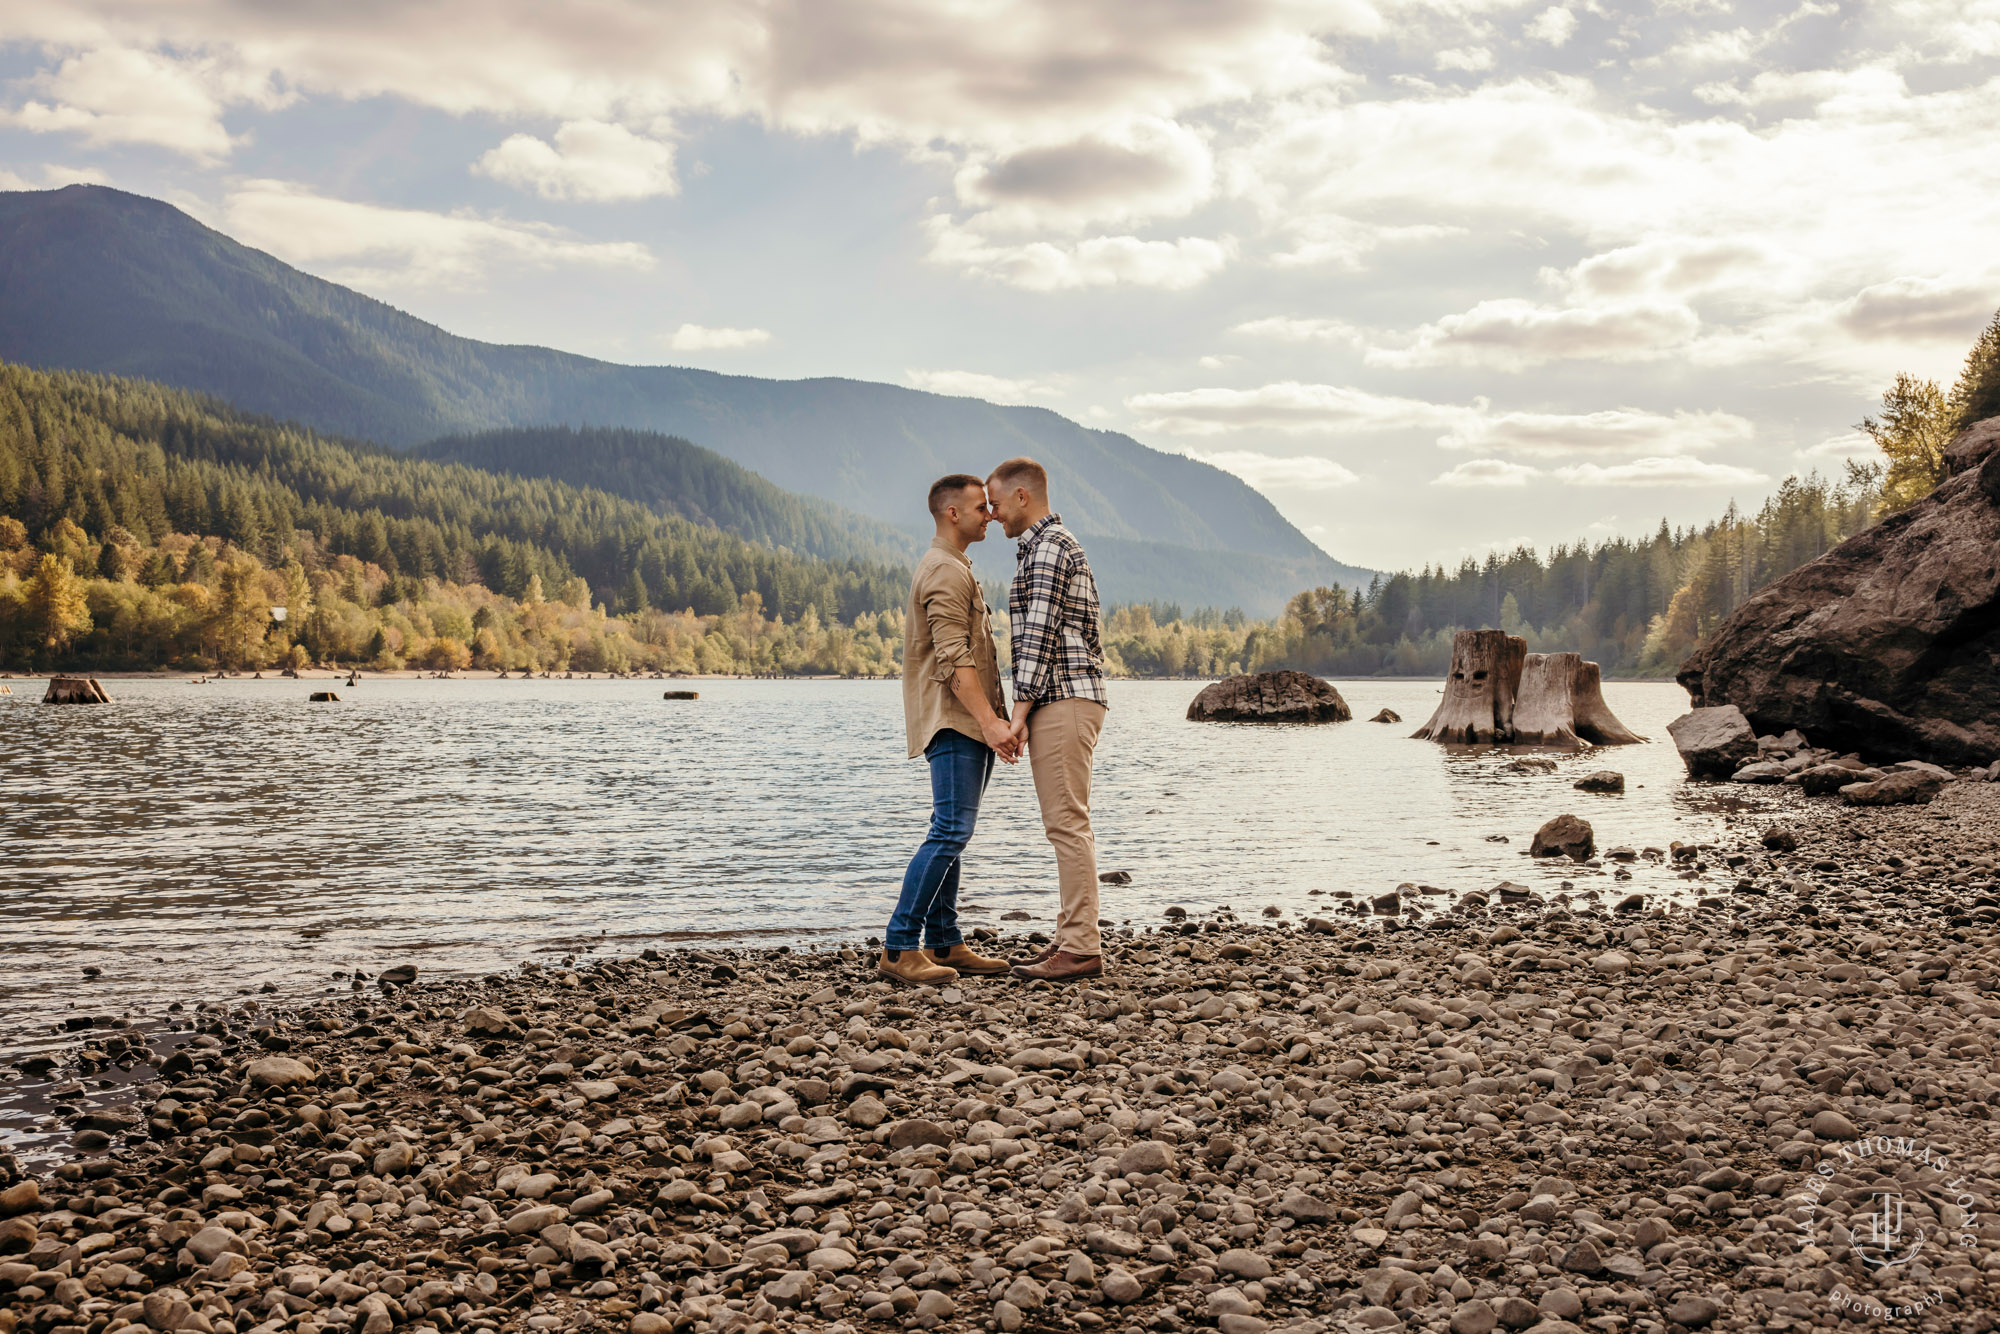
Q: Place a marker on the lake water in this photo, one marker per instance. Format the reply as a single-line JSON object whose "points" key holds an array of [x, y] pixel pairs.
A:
{"points": [[198, 841]]}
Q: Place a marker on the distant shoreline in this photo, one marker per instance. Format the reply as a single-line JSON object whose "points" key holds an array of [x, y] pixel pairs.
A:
{"points": [[411, 674]]}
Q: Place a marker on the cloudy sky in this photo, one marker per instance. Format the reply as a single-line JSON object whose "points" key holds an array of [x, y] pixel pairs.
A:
{"points": [[1434, 275]]}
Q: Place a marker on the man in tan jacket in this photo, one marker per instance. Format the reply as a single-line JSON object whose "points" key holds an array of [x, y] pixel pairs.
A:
{"points": [[956, 718]]}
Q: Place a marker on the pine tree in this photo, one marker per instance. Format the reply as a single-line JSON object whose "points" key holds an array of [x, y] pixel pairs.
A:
{"points": [[1976, 396]]}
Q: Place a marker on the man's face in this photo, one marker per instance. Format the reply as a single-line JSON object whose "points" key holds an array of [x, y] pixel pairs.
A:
{"points": [[971, 514], [1010, 507]]}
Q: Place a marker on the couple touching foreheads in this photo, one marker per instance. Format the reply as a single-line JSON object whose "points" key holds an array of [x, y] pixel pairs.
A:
{"points": [[958, 719]]}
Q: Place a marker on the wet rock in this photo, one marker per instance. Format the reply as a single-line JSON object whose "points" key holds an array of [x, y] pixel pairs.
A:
{"points": [[1603, 780], [1387, 716], [1270, 697], [1565, 836], [1713, 741], [20, 1198]]}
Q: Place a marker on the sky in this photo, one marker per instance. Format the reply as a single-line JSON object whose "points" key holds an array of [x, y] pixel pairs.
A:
{"points": [[1436, 276]]}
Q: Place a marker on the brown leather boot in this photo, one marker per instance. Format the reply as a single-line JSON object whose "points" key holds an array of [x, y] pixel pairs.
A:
{"points": [[914, 967], [1046, 953], [1062, 966], [962, 958]]}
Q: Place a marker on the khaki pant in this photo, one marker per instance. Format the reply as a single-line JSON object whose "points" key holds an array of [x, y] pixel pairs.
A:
{"points": [[1062, 739]]}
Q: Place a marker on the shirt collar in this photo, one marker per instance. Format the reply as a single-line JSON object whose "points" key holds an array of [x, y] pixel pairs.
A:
{"points": [[939, 544], [1028, 539]]}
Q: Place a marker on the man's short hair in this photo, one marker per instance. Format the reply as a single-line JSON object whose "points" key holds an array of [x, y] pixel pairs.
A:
{"points": [[945, 491], [1026, 474]]}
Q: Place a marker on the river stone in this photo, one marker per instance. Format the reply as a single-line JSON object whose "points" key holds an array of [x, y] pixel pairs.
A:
{"points": [[1243, 1264], [1121, 1288], [1713, 741], [20, 1198], [211, 1242], [1888, 644], [483, 1022], [1830, 1124], [1823, 780], [915, 1131], [1566, 835], [1146, 1157], [1270, 697], [1473, 1317], [279, 1072], [1693, 1310], [1604, 780], [1387, 716]]}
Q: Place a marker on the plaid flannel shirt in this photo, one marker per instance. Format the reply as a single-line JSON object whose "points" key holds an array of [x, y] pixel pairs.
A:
{"points": [[1053, 613]]}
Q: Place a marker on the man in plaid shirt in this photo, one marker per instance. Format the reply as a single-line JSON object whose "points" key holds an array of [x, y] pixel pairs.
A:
{"points": [[1059, 701]]}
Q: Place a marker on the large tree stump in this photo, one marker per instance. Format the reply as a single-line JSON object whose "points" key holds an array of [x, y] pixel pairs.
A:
{"points": [[1500, 694], [1478, 705], [1595, 722], [1546, 704], [75, 690]]}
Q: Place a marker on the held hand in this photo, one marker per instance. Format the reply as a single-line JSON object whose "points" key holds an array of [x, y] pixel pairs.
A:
{"points": [[1019, 730], [1001, 738]]}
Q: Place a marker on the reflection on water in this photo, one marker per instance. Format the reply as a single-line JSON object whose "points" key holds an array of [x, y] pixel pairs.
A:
{"points": [[201, 841]]}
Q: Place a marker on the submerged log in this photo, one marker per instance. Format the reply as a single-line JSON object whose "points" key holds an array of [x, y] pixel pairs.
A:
{"points": [[1478, 705], [75, 690], [1500, 694]]}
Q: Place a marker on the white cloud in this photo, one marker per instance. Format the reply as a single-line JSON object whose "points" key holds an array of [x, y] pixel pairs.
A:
{"points": [[1554, 25], [1611, 431], [371, 244], [1660, 472], [1482, 473], [1100, 261], [1290, 407], [1272, 472], [1950, 309], [1291, 329], [1839, 448], [590, 160], [120, 95], [1331, 240], [52, 176], [1148, 168], [973, 384], [1473, 59], [698, 338], [1512, 334]]}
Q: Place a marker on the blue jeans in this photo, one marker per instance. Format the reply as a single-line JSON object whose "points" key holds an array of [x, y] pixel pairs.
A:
{"points": [[960, 767]]}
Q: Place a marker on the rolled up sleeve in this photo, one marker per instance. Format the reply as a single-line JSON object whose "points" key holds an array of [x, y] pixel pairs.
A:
{"points": [[947, 603]]}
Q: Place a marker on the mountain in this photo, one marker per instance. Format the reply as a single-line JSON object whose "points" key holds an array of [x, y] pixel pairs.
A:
{"points": [[97, 279], [673, 476]]}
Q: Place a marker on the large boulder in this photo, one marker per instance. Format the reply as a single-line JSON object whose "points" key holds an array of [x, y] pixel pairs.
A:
{"points": [[1270, 697], [1900, 787], [1889, 644], [1713, 741]]}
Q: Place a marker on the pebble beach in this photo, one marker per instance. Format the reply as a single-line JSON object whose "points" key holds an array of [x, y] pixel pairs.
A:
{"points": [[1528, 1111]]}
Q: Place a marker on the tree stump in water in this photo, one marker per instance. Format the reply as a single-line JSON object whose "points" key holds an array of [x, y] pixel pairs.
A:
{"points": [[75, 690], [1500, 694], [1546, 705], [1478, 705], [1595, 722]]}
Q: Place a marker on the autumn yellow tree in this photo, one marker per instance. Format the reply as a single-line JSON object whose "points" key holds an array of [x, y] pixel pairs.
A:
{"points": [[57, 610], [1915, 426]]}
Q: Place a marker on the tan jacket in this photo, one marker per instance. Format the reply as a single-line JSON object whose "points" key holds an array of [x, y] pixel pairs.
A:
{"points": [[949, 627]]}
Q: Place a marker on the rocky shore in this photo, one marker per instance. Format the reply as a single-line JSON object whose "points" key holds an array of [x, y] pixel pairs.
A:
{"points": [[1578, 1112]]}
